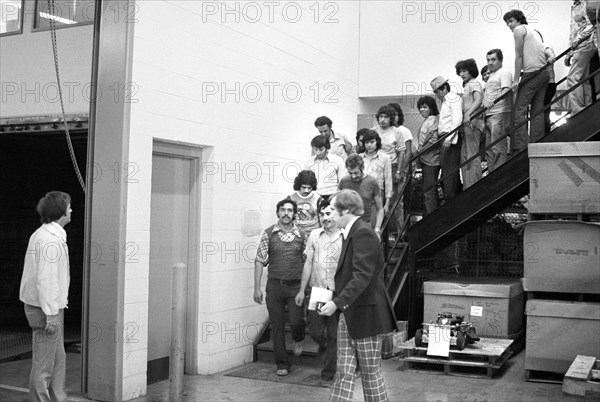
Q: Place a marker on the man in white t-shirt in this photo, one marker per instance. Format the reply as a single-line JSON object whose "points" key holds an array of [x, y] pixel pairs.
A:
{"points": [[397, 144], [497, 115], [329, 168], [529, 58]]}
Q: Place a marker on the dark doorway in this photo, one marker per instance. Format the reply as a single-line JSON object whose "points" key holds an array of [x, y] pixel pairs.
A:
{"points": [[31, 164]]}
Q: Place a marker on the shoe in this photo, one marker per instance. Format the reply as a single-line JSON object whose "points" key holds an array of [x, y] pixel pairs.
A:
{"points": [[298, 347], [326, 382], [282, 372]]}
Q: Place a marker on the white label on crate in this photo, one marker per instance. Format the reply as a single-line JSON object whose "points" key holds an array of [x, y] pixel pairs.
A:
{"points": [[477, 311]]}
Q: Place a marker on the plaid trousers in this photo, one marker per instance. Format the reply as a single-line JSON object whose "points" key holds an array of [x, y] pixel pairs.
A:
{"points": [[368, 352]]}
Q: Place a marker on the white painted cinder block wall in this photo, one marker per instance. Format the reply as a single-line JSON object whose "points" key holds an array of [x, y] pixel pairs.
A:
{"points": [[416, 41], [305, 65]]}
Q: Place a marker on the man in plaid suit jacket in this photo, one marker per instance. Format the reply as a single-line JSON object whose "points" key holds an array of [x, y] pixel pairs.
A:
{"points": [[367, 312]]}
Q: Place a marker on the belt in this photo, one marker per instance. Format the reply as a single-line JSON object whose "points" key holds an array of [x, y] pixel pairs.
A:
{"points": [[286, 282]]}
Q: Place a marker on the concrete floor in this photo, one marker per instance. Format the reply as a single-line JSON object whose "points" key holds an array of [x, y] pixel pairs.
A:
{"points": [[507, 385]]}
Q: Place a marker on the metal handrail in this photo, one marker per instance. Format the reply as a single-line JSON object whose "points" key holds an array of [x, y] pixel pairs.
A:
{"points": [[441, 139], [407, 182]]}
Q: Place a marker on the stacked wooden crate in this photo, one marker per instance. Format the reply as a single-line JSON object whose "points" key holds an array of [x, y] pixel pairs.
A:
{"points": [[562, 256]]}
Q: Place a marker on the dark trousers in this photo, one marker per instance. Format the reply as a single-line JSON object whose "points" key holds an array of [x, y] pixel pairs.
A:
{"points": [[278, 297], [398, 215], [550, 91], [449, 162], [323, 330], [529, 97], [430, 197]]}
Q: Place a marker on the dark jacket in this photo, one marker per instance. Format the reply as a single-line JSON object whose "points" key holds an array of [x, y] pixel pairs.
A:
{"points": [[362, 296]]}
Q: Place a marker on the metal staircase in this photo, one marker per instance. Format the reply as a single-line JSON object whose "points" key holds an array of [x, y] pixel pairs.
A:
{"points": [[493, 193], [471, 208]]}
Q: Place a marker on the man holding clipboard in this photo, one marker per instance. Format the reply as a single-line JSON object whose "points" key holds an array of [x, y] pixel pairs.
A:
{"points": [[322, 253], [366, 310]]}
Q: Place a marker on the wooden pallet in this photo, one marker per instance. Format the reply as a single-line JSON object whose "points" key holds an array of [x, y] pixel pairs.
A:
{"points": [[578, 297], [479, 360], [547, 377], [583, 377], [593, 217]]}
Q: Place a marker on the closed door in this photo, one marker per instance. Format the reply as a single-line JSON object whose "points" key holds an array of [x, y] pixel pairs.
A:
{"points": [[169, 244]]}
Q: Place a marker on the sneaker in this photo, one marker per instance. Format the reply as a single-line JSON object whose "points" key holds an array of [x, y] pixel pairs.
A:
{"points": [[282, 372], [298, 347]]}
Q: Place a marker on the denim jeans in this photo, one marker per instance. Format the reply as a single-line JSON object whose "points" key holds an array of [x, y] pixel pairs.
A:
{"points": [[580, 62], [471, 172], [430, 197], [530, 95], [495, 127]]}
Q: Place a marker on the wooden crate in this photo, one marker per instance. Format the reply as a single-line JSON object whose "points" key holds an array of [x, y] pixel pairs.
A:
{"points": [[583, 377], [557, 331], [564, 177], [561, 256], [493, 305], [479, 360]]}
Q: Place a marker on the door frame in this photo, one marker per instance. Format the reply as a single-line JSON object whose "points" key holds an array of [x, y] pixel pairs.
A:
{"points": [[194, 154]]}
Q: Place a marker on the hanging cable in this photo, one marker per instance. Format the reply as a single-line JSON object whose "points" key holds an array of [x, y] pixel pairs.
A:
{"points": [[62, 105]]}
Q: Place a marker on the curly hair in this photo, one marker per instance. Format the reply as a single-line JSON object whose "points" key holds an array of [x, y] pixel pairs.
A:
{"points": [[388, 111], [305, 178], [469, 65], [429, 101]]}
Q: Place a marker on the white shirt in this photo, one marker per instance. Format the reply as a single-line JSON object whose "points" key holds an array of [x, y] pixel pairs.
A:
{"points": [[323, 252], [45, 280], [451, 115], [329, 172], [346, 229], [393, 140]]}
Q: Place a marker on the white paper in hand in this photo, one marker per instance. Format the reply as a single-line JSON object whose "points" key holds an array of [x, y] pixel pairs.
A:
{"points": [[319, 295], [439, 340]]}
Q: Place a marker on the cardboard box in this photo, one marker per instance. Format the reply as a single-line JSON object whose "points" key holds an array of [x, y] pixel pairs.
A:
{"points": [[390, 346], [564, 177], [493, 305], [557, 331], [561, 256]]}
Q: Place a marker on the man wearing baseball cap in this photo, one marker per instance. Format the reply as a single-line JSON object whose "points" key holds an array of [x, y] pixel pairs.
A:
{"points": [[450, 118]]}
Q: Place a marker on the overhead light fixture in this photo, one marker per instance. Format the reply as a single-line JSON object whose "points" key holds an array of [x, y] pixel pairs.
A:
{"points": [[56, 18]]}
